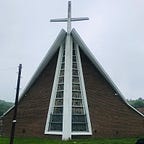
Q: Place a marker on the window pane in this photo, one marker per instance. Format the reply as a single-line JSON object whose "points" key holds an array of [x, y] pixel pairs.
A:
{"points": [[59, 94], [56, 118], [75, 65], [60, 86], [61, 79], [77, 102], [74, 52], [75, 87], [61, 72], [75, 72], [76, 94], [75, 79], [64, 52], [62, 66], [79, 118], [77, 110], [74, 58], [63, 59], [58, 110], [58, 102], [79, 127], [55, 126]]}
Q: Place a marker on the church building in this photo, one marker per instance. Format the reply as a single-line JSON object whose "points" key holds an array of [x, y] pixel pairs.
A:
{"points": [[70, 95]]}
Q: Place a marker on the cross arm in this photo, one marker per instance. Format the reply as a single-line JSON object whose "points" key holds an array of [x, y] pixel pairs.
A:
{"points": [[66, 19]]}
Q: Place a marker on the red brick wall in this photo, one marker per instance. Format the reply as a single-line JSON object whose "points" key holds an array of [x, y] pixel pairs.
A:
{"points": [[33, 107], [141, 109], [110, 116]]}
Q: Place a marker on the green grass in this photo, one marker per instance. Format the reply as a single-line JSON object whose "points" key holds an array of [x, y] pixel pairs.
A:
{"points": [[78, 141]]}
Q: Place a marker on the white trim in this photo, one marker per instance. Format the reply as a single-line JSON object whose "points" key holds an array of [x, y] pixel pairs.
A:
{"points": [[54, 90], [42, 65], [59, 40], [83, 91], [53, 133], [67, 101], [81, 133]]}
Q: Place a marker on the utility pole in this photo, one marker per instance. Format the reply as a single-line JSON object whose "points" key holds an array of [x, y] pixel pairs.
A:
{"points": [[16, 105]]}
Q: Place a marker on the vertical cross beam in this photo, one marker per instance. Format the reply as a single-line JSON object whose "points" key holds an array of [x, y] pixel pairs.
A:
{"points": [[67, 100], [69, 19]]}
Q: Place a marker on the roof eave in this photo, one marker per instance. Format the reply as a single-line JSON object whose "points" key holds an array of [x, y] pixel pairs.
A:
{"points": [[88, 53], [45, 61]]}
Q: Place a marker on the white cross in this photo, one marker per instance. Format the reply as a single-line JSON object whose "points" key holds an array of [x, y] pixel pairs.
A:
{"points": [[69, 19]]}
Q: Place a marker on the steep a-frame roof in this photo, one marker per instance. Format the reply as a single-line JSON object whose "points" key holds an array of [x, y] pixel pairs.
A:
{"points": [[59, 40], [88, 53]]}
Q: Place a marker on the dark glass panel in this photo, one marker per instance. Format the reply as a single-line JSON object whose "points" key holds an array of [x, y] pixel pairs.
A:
{"points": [[79, 118], [76, 94], [74, 58], [60, 86], [58, 110], [62, 66], [79, 127], [75, 79], [59, 94], [74, 53], [55, 127], [59, 102], [77, 102], [56, 118], [61, 79], [77, 110], [63, 59], [75, 87], [61, 72], [74, 72], [75, 65]]}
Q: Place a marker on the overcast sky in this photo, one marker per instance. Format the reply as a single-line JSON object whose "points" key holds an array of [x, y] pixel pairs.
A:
{"points": [[114, 34]]}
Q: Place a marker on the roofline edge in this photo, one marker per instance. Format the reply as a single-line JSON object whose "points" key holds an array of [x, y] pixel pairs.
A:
{"points": [[42, 65], [88, 53]]}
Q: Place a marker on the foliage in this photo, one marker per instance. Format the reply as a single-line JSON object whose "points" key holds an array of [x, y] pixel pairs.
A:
{"points": [[4, 106], [138, 103], [78, 141]]}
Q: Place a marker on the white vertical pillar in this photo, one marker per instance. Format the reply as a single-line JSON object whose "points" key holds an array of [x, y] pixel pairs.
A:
{"points": [[67, 103], [69, 18]]}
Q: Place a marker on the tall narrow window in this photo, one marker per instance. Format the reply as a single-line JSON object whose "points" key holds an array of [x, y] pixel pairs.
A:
{"points": [[55, 116], [79, 118], [68, 103]]}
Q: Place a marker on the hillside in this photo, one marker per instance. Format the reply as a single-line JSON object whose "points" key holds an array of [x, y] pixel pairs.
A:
{"points": [[4, 106], [138, 103]]}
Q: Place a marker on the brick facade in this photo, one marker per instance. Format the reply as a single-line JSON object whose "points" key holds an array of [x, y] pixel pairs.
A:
{"points": [[110, 116], [33, 107], [1, 126], [141, 109]]}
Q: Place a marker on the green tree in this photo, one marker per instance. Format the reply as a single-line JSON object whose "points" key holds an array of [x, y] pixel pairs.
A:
{"points": [[4, 106], [137, 103]]}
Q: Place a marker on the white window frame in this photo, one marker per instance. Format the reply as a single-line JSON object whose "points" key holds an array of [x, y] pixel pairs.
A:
{"points": [[54, 91], [83, 93]]}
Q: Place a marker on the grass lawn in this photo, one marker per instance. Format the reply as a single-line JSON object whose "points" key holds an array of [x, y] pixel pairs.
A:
{"points": [[78, 141]]}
